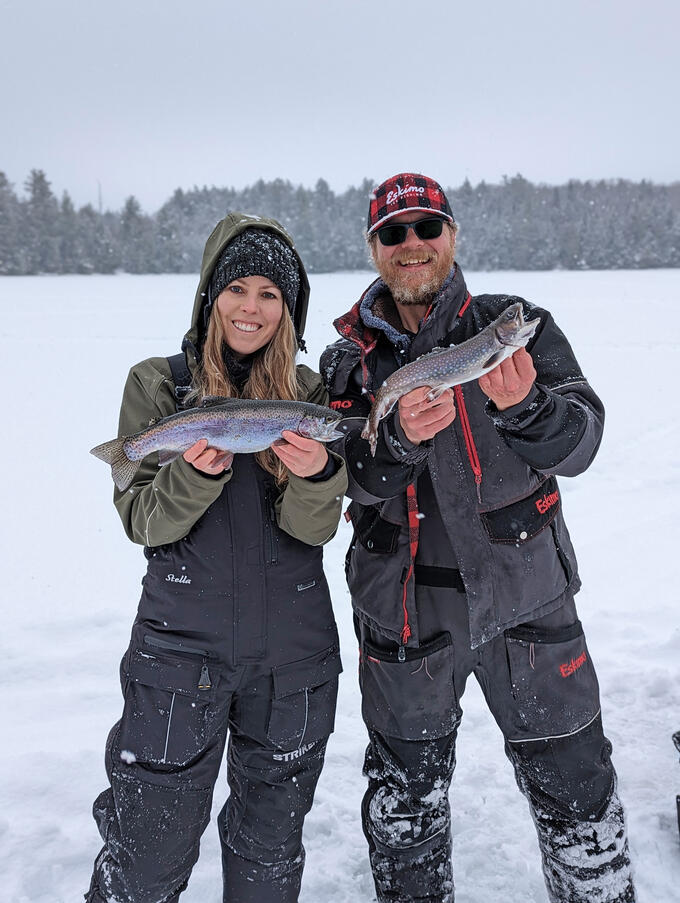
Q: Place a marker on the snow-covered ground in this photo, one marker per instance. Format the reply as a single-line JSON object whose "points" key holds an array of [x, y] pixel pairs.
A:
{"points": [[70, 584]]}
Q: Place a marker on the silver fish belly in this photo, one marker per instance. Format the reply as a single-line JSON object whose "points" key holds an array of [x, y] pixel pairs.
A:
{"points": [[237, 425], [443, 368]]}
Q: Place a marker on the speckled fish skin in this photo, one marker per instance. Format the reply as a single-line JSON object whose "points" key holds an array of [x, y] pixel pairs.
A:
{"points": [[237, 425], [443, 368]]}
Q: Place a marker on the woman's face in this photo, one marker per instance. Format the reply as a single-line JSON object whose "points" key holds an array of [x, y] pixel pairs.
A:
{"points": [[250, 310]]}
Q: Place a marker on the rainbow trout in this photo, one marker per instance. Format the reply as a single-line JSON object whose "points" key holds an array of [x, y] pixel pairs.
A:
{"points": [[443, 368], [237, 425]]}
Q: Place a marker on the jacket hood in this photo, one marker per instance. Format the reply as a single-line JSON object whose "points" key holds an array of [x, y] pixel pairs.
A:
{"points": [[224, 232], [366, 320]]}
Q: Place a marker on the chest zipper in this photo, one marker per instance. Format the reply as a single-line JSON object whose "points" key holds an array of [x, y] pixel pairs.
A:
{"points": [[204, 681], [470, 446], [269, 520]]}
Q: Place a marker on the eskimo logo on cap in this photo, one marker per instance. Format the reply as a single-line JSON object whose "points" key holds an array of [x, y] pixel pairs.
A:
{"points": [[394, 194], [403, 193]]}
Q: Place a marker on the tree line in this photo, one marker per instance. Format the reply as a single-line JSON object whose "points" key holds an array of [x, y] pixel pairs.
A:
{"points": [[608, 224]]}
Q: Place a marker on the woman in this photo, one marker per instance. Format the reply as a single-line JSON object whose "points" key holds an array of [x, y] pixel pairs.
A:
{"points": [[235, 627]]}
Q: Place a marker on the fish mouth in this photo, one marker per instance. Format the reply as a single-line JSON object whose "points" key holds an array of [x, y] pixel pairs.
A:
{"points": [[331, 431], [521, 336], [526, 332], [323, 432]]}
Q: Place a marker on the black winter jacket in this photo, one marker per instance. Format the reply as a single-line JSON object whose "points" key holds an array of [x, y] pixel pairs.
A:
{"points": [[490, 510]]}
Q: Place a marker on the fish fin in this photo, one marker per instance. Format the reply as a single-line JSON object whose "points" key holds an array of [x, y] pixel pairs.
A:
{"points": [[166, 455], [428, 353], [369, 433], [209, 400], [495, 358], [113, 453], [108, 451], [436, 393], [381, 407]]}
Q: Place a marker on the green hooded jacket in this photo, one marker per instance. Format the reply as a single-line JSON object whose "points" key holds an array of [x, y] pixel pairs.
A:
{"points": [[163, 504]]}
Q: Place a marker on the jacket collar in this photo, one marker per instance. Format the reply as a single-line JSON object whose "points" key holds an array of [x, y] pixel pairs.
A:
{"points": [[366, 321]]}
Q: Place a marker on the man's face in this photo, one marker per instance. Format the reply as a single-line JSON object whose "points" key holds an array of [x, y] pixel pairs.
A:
{"points": [[414, 270]]}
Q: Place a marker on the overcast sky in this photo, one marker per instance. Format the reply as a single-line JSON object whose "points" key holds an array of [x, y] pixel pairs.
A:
{"points": [[144, 96]]}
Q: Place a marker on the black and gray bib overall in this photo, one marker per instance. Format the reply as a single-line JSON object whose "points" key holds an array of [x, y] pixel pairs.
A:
{"points": [[235, 631]]}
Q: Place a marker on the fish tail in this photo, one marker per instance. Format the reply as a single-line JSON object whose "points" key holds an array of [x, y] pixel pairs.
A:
{"points": [[383, 404], [122, 468], [370, 432]]}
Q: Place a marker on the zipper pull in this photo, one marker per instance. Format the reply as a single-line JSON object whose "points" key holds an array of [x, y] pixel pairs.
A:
{"points": [[204, 682], [401, 654]]}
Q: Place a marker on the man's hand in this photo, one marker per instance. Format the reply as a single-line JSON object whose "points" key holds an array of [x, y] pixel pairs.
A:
{"points": [[303, 457], [208, 460], [511, 381], [421, 419]]}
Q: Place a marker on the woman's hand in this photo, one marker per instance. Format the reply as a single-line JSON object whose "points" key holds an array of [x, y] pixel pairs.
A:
{"points": [[421, 419], [208, 460], [303, 457]]}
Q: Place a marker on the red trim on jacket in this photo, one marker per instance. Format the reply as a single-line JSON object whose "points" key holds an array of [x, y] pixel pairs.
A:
{"points": [[367, 339], [470, 446], [413, 538]]}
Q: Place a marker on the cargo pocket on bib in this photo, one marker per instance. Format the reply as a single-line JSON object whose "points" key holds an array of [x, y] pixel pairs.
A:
{"points": [[168, 713], [413, 699], [552, 681], [304, 698]]}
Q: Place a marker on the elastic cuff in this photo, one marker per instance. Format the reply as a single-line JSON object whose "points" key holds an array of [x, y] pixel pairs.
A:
{"points": [[519, 415], [331, 468], [400, 446], [321, 486]]}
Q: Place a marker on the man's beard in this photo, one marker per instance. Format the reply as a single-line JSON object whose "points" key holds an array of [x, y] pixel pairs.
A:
{"points": [[408, 291], [417, 295]]}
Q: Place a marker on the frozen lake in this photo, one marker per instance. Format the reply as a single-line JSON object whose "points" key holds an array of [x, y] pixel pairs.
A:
{"points": [[70, 584]]}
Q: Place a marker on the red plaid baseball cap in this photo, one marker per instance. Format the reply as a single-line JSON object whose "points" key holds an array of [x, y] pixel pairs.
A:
{"points": [[403, 193]]}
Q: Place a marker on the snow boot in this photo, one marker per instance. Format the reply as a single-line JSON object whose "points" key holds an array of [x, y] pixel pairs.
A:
{"points": [[586, 861]]}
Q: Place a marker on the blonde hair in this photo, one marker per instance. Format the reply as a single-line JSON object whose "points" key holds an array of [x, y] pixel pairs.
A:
{"points": [[273, 375]]}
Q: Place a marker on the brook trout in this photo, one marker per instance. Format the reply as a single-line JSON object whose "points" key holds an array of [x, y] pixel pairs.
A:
{"points": [[443, 368], [237, 425]]}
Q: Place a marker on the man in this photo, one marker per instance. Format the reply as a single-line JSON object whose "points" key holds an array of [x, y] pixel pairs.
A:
{"points": [[461, 563]]}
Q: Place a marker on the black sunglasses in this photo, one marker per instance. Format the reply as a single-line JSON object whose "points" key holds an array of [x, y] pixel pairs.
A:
{"points": [[394, 234]]}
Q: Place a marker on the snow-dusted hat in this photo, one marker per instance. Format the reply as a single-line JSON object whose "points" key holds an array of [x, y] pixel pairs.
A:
{"points": [[258, 252], [404, 193]]}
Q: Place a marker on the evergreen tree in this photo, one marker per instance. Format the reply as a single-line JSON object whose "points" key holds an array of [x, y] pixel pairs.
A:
{"points": [[10, 229], [40, 225], [136, 239], [514, 225], [97, 239], [70, 248]]}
